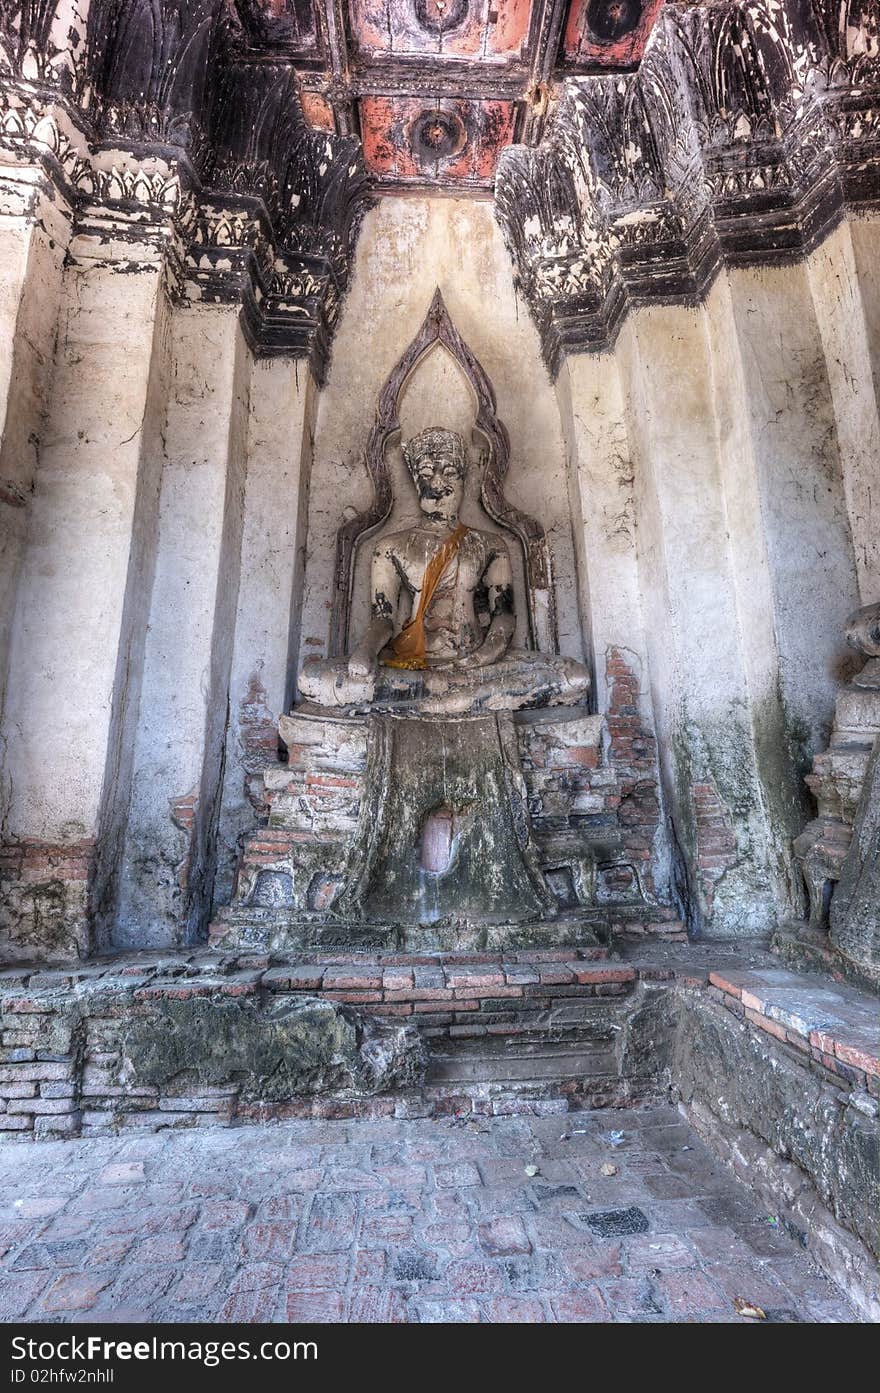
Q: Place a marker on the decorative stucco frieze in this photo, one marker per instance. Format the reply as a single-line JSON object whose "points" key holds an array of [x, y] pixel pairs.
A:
{"points": [[144, 124], [746, 131]]}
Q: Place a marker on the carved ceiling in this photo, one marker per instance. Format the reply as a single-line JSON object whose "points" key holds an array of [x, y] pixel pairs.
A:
{"points": [[242, 140], [436, 89]]}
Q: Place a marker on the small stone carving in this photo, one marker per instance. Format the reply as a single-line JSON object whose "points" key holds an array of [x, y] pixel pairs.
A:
{"points": [[451, 654], [840, 782]]}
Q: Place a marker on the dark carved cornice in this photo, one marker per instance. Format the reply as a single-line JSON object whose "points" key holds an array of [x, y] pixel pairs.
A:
{"points": [[747, 131], [143, 117]]}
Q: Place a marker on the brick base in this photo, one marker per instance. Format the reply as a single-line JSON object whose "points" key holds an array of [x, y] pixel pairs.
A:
{"points": [[44, 910], [537, 1032]]}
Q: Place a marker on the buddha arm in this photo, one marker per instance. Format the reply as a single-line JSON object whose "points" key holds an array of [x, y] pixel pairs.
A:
{"points": [[385, 591], [499, 583]]}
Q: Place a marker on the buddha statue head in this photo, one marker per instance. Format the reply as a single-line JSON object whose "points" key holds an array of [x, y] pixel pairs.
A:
{"points": [[437, 462]]}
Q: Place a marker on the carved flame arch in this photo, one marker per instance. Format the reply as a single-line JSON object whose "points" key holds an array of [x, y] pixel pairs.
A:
{"points": [[437, 328]]}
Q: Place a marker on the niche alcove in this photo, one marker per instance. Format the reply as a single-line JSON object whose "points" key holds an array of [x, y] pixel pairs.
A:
{"points": [[491, 745]]}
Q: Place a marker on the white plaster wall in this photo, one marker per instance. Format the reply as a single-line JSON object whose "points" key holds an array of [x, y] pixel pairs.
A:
{"points": [[845, 283], [591, 400], [69, 616], [865, 235], [31, 255], [282, 403], [178, 746], [407, 248], [698, 683], [16, 235], [119, 765], [710, 492], [788, 404], [204, 851]]}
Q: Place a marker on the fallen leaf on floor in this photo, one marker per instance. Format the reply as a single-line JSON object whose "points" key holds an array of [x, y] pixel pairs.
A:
{"points": [[532, 1170], [747, 1308], [608, 1169]]}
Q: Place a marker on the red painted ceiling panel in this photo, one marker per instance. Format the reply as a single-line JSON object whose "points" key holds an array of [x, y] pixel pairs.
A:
{"points": [[384, 68], [317, 111], [608, 33], [482, 30], [450, 141]]}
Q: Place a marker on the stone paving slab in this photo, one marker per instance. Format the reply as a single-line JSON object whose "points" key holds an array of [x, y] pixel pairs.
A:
{"points": [[490, 1219]]}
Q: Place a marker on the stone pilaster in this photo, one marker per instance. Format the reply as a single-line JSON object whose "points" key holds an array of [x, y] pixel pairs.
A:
{"points": [[602, 488], [166, 874], [80, 622], [283, 398], [846, 295], [699, 683], [34, 233], [788, 528]]}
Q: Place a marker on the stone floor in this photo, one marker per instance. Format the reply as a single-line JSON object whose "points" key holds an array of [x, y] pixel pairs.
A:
{"points": [[504, 1219]]}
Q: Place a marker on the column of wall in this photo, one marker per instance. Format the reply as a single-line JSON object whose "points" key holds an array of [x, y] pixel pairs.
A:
{"points": [[158, 605], [844, 275], [726, 467], [603, 502], [166, 870], [76, 656], [699, 680], [797, 445], [782, 455], [34, 233], [224, 620], [280, 439]]}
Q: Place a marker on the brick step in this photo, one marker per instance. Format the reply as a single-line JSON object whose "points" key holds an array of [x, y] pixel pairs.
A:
{"points": [[535, 1062], [459, 1004], [584, 1018], [386, 958]]}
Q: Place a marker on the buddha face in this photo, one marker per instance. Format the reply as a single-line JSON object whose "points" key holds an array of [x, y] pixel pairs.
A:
{"points": [[437, 463]]}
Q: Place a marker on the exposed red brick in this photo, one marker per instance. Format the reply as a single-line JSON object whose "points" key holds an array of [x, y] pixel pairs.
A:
{"points": [[633, 753], [35, 862], [764, 1023], [859, 1058]]}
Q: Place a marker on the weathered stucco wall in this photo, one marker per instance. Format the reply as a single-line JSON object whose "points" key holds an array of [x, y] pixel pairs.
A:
{"points": [[708, 490], [283, 398], [77, 646], [723, 466], [32, 251], [182, 721], [845, 283]]}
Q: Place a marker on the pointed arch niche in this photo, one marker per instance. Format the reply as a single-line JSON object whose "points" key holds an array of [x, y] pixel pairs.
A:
{"points": [[491, 452]]}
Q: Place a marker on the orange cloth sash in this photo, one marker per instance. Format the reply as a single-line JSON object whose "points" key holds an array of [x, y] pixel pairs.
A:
{"points": [[408, 649]]}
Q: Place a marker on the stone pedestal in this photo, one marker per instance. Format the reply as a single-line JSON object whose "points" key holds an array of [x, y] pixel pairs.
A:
{"points": [[839, 852], [428, 834], [518, 681], [837, 781], [855, 906]]}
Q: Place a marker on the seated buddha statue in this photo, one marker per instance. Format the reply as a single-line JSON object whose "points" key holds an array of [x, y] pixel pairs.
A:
{"points": [[452, 654]]}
